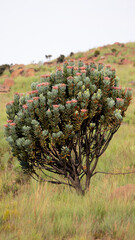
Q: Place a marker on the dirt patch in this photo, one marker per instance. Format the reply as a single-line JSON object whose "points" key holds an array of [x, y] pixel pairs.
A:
{"points": [[4, 76], [17, 72], [48, 63], [119, 53], [102, 57], [4, 89], [119, 44], [124, 192], [8, 82], [124, 61], [109, 54], [30, 72]]}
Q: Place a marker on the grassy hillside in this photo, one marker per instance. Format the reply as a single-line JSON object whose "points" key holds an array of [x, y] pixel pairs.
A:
{"points": [[33, 211]]}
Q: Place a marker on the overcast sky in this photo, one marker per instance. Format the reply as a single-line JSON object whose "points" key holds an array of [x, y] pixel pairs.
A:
{"points": [[31, 29]]}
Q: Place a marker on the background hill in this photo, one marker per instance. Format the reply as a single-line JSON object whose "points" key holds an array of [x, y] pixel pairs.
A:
{"points": [[29, 210]]}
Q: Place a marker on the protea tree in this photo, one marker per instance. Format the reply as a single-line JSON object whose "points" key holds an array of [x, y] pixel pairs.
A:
{"points": [[65, 123]]}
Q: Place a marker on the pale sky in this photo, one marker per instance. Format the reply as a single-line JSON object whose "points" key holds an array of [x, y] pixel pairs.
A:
{"points": [[31, 29]]}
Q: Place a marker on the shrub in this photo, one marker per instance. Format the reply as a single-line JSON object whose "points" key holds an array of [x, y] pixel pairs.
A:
{"points": [[66, 122], [96, 53], [113, 50], [71, 54], [61, 59], [3, 68], [48, 56]]}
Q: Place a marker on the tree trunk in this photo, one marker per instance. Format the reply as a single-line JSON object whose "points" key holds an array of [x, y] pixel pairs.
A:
{"points": [[87, 183], [78, 186]]}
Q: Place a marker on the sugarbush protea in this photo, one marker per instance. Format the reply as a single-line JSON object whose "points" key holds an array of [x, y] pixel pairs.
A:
{"points": [[65, 123]]}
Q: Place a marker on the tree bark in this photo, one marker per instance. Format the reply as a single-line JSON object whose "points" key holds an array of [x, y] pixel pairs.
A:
{"points": [[87, 183], [78, 186]]}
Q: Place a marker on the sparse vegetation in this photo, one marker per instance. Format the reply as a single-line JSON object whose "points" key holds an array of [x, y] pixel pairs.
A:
{"points": [[78, 55]]}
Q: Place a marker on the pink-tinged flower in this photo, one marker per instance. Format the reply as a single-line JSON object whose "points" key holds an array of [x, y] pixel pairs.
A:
{"points": [[56, 106], [68, 102], [70, 77], [36, 98], [62, 85], [65, 62], [128, 89], [45, 76], [10, 103], [43, 84], [108, 66], [9, 121], [69, 67], [82, 68], [78, 74], [119, 99], [48, 110], [92, 69], [74, 101], [17, 93], [71, 60], [21, 94], [83, 71], [106, 78], [12, 124], [117, 88], [75, 68], [80, 59], [55, 87], [59, 69], [30, 101], [46, 84], [25, 106], [100, 63], [83, 110], [113, 69], [34, 91], [5, 125]]}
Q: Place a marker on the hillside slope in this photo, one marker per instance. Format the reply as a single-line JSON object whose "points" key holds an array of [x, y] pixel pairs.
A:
{"points": [[32, 211]]}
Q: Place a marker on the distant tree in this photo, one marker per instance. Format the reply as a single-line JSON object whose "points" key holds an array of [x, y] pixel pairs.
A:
{"points": [[48, 56], [3, 68], [61, 59], [40, 63], [96, 53], [113, 50], [66, 123], [71, 54]]}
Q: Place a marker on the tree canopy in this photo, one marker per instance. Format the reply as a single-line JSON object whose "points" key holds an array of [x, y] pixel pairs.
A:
{"points": [[65, 123]]}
